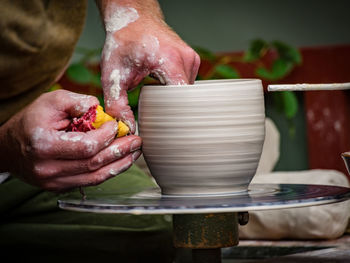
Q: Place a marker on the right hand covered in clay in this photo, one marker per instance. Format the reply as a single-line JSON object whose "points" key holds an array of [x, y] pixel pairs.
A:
{"points": [[35, 147], [138, 43]]}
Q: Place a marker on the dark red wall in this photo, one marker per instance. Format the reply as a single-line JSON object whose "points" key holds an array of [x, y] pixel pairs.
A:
{"points": [[328, 112]]}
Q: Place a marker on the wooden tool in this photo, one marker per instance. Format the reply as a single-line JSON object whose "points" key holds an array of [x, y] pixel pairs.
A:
{"points": [[307, 87]]}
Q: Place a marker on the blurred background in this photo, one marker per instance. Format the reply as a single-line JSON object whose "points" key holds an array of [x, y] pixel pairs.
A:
{"points": [[230, 25], [293, 41]]}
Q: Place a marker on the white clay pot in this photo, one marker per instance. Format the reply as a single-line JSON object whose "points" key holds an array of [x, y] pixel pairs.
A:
{"points": [[203, 139]]}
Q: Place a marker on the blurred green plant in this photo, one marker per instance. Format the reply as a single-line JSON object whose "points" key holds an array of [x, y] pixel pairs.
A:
{"points": [[287, 59], [79, 72]]}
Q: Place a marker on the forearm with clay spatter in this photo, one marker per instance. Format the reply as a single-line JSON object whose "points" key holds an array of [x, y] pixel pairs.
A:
{"points": [[142, 7]]}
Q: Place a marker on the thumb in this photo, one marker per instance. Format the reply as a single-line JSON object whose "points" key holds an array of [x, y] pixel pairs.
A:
{"points": [[120, 109], [74, 104], [116, 98]]}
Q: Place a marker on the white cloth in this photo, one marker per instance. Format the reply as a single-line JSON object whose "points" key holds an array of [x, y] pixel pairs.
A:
{"points": [[314, 222], [4, 176]]}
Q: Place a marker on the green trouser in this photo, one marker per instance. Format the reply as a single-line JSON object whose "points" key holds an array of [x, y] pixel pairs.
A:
{"points": [[33, 226]]}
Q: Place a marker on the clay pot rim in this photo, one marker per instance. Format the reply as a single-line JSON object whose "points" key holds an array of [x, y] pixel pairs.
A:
{"points": [[206, 83]]}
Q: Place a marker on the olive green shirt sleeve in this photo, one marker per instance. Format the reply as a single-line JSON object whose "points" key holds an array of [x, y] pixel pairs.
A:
{"points": [[37, 40]]}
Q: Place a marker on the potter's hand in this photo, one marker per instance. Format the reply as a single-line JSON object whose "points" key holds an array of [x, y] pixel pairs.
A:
{"points": [[35, 146], [138, 42]]}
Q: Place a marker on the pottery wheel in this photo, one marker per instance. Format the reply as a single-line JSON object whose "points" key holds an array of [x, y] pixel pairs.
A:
{"points": [[258, 197]]}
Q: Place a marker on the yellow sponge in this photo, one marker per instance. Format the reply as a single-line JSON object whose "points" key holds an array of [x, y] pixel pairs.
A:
{"points": [[123, 129], [102, 117]]}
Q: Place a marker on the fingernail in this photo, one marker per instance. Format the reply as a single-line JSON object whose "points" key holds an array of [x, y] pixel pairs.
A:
{"points": [[130, 125], [115, 126], [135, 145], [96, 163], [116, 151], [113, 172], [112, 128], [108, 142], [135, 155]]}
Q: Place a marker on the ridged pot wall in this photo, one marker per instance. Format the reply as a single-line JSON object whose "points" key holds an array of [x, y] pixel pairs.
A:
{"points": [[204, 138]]}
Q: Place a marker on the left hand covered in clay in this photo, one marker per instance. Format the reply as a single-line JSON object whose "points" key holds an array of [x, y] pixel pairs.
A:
{"points": [[138, 43], [36, 147]]}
